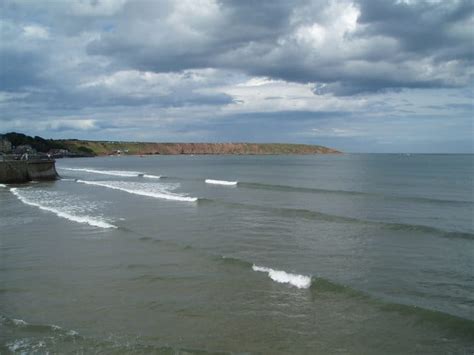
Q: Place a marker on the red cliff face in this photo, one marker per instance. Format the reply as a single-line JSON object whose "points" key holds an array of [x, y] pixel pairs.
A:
{"points": [[236, 148]]}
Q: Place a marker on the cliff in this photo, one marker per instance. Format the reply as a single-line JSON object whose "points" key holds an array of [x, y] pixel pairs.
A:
{"points": [[77, 148], [141, 148]]}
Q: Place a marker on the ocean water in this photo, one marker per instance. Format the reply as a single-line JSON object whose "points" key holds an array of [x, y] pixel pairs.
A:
{"points": [[352, 254]]}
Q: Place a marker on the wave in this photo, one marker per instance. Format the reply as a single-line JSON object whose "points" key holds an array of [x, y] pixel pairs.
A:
{"points": [[262, 186], [235, 261], [27, 338], [221, 182], [461, 325], [280, 276], [37, 328], [3, 185], [315, 215], [299, 281], [149, 190], [61, 213], [319, 287], [122, 173]]}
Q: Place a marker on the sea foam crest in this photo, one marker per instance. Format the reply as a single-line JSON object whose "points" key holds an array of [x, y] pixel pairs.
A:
{"points": [[122, 173], [33, 345], [221, 182], [3, 185], [19, 322], [300, 281], [143, 189], [24, 346], [60, 212]]}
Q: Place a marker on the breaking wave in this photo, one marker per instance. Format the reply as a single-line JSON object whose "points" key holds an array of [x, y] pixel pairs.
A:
{"points": [[3, 185], [160, 191], [299, 281], [66, 212], [122, 173], [319, 286], [221, 182]]}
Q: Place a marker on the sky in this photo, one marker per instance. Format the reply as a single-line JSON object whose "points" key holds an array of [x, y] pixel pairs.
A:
{"points": [[358, 76]]}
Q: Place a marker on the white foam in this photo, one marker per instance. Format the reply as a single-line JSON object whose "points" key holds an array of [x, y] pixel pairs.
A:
{"points": [[75, 218], [300, 281], [26, 346], [19, 322], [3, 185], [122, 173], [106, 172], [142, 189], [17, 345], [221, 182]]}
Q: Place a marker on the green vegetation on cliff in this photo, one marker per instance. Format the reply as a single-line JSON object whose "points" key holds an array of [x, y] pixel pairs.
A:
{"points": [[42, 145], [39, 144]]}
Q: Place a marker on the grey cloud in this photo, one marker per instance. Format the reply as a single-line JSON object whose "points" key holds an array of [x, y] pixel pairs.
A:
{"points": [[422, 26], [75, 69], [391, 51], [257, 38], [19, 70]]}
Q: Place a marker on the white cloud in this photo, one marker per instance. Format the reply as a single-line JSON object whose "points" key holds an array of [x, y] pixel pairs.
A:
{"points": [[336, 132], [35, 32], [261, 94], [78, 124]]}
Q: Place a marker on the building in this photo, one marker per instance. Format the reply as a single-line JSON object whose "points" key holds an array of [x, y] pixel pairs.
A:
{"points": [[5, 144], [59, 153], [25, 148]]}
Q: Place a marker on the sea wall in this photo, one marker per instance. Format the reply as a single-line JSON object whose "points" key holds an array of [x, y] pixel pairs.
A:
{"points": [[18, 171]]}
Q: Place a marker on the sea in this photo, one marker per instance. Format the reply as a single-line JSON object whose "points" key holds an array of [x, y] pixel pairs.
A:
{"points": [[204, 254]]}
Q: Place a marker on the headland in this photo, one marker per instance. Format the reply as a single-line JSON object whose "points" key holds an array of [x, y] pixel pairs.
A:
{"points": [[59, 148]]}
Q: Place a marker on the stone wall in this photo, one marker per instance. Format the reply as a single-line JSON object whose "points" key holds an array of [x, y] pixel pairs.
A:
{"points": [[18, 171]]}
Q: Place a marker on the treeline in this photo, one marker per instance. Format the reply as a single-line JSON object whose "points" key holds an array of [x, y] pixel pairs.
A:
{"points": [[42, 145], [39, 144]]}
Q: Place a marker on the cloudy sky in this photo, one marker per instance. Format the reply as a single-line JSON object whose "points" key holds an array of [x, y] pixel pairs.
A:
{"points": [[360, 76]]}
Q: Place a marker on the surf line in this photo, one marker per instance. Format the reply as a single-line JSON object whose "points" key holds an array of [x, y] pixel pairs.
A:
{"points": [[161, 195], [79, 219], [122, 173], [221, 182]]}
